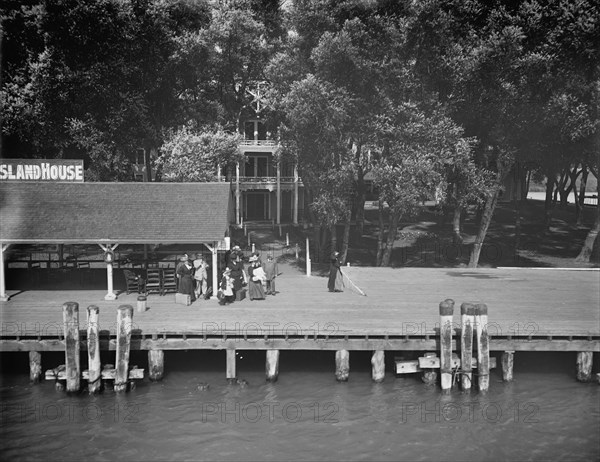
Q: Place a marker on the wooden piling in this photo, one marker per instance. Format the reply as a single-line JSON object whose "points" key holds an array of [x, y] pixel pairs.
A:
{"points": [[71, 327], [272, 365], [231, 372], [156, 365], [378, 366], [35, 366], [508, 358], [430, 375], [342, 365], [124, 322], [584, 366], [483, 347], [446, 314], [467, 315], [93, 347]]}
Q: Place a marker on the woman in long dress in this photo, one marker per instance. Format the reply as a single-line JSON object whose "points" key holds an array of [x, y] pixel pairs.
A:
{"points": [[186, 281], [255, 280], [335, 283]]}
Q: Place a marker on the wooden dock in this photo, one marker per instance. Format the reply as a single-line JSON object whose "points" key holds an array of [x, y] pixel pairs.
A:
{"points": [[529, 309]]}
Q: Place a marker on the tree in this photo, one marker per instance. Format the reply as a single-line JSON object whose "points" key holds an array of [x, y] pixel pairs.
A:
{"points": [[417, 152], [192, 154]]}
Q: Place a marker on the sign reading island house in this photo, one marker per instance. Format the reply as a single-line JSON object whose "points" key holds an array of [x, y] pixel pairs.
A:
{"points": [[41, 170]]}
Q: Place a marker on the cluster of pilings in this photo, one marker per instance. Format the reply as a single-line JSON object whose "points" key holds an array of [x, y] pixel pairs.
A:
{"points": [[95, 374]]}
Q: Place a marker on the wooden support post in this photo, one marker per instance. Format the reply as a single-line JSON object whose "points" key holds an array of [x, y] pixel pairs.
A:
{"points": [[93, 347], [483, 347], [231, 373], [467, 315], [378, 366], [446, 314], [584, 366], [272, 365], [342, 365], [124, 322], [508, 358], [35, 366], [71, 326], [430, 375], [156, 365]]}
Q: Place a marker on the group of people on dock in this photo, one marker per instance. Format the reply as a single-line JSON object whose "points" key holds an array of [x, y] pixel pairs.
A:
{"points": [[258, 281], [193, 277]]}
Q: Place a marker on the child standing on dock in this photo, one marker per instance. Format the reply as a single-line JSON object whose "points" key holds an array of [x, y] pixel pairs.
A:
{"points": [[226, 287], [271, 271]]}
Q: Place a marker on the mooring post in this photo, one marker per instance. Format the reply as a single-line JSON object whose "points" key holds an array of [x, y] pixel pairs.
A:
{"points": [[483, 347], [507, 360], [342, 365], [272, 365], [93, 347], [584, 365], [446, 314], [156, 365], [71, 326], [231, 373], [124, 322], [308, 263], [35, 366], [378, 366], [467, 315]]}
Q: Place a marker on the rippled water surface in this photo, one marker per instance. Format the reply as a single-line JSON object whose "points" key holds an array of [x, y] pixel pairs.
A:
{"points": [[545, 414]]}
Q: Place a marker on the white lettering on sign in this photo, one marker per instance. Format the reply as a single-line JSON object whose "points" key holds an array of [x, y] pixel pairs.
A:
{"points": [[11, 169]]}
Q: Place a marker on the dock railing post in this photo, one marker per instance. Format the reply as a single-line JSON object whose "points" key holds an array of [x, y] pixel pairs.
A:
{"points": [[230, 365], [124, 323], [35, 366], [483, 347], [467, 315], [156, 365], [342, 365], [71, 326], [93, 347], [378, 366], [446, 315], [508, 358], [272, 365], [584, 365]]}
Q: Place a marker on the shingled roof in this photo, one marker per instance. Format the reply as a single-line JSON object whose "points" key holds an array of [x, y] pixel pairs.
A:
{"points": [[44, 212]]}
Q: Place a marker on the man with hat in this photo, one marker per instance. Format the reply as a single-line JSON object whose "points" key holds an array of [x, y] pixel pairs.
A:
{"points": [[271, 271], [200, 276]]}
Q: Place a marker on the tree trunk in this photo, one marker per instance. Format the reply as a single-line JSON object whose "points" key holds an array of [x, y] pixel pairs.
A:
{"points": [[360, 203], [333, 231], [548, 205], [346, 239], [391, 238], [527, 181], [581, 198], [380, 235], [457, 236], [588, 245], [486, 218], [517, 227]]}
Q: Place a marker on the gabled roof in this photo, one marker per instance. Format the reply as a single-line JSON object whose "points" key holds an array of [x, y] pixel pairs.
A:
{"points": [[45, 212]]}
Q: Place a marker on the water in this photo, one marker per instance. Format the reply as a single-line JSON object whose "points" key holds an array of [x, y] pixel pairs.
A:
{"points": [[545, 414]]}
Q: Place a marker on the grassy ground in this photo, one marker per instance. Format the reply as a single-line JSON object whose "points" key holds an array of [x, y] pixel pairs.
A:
{"points": [[427, 240]]}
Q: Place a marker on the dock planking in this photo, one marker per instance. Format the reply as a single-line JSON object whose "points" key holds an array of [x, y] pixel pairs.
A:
{"points": [[401, 305]]}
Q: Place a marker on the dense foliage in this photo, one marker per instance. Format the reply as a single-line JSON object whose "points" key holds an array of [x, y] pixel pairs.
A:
{"points": [[439, 97]]}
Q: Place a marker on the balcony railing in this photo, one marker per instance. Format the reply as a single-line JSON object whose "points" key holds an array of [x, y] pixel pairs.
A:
{"points": [[267, 179], [258, 143]]}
